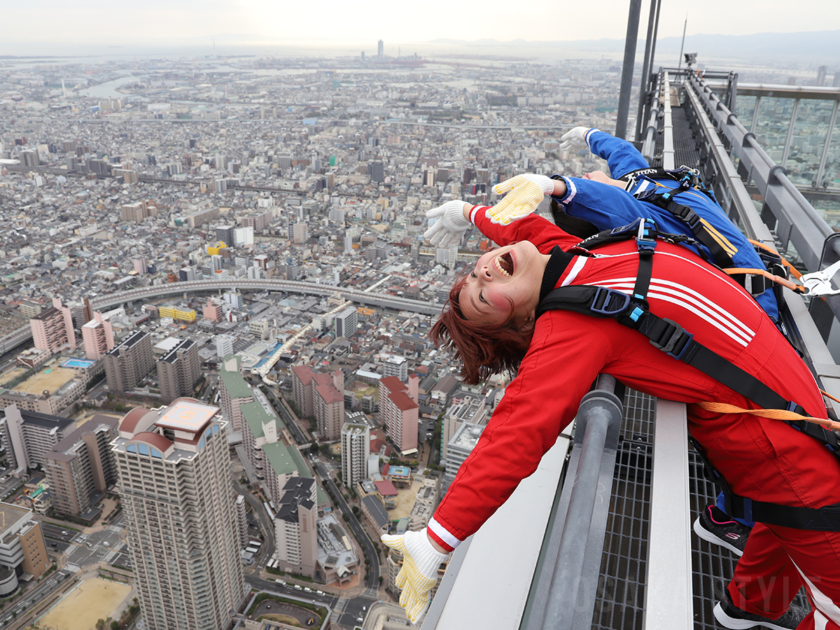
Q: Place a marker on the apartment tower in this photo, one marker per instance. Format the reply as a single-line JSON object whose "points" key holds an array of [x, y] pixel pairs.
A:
{"points": [[178, 370], [233, 392], [52, 329], [355, 449], [174, 483], [98, 337], [129, 362], [81, 467], [398, 410]]}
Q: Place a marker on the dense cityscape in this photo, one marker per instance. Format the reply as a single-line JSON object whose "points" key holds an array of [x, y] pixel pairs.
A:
{"points": [[218, 385]]}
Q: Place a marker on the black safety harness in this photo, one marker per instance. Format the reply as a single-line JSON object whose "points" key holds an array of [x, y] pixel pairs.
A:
{"points": [[688, 179], [672, 339]]}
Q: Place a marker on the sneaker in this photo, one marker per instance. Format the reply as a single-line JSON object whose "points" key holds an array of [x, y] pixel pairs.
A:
{"points": [[716, 527], [736, 619]]}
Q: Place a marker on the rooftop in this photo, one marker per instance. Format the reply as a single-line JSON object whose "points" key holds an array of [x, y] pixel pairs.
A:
{"points": [[10, 515], [186, 415]]}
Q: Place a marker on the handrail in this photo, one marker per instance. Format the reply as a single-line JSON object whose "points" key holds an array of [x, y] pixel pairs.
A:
{"points": [[564, 590], [649, 143], [781, 195], [667, 126]]}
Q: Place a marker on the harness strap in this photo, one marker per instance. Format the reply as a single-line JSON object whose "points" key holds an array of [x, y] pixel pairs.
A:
{"points": [[696, 224], [665, 335], [826, 518]]}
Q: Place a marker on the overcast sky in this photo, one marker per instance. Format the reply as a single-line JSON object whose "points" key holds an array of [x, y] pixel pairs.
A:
{"points": [[365, 21]]}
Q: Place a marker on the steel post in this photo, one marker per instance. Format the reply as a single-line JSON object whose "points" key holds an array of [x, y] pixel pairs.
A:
{"points": [[627, 69], [824, 158], [789, 139], [645, 81]]}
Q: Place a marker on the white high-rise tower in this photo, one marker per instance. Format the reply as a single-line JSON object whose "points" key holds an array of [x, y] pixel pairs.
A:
{"points": [[175, 486]]}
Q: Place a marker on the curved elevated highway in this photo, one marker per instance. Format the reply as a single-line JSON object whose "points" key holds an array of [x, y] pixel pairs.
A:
{"points": [[360, 296]]}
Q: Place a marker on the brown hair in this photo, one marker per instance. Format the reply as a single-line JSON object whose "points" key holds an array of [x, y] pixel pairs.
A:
{"points": [[481, 349]]}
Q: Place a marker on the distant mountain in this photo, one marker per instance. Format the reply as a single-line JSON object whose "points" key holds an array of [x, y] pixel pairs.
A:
{"points": [[818, 47]]}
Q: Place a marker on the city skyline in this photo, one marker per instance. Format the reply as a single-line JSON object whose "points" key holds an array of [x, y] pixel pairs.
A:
{"points": [[255, 22]]}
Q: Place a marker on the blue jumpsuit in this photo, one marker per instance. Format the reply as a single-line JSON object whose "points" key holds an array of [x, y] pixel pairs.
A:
{"points": [[608, 206]]}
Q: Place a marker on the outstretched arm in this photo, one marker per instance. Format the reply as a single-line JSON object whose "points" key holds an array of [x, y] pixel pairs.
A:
{"points": [[621, 156]]}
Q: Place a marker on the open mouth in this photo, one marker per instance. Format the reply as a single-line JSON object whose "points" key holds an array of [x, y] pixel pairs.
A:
{"points": [[504, 264]]}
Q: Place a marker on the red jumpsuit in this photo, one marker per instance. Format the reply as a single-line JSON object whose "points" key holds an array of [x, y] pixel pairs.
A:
{"points": [[762, 459]]}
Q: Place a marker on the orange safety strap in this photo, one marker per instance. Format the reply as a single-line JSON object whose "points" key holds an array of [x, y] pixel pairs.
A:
{"points": [[733, 271], [793, 270], [773, 414]]}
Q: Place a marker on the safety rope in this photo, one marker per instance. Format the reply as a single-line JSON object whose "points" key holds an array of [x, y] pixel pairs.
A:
{"points": [[733, 271], [773, 414]]}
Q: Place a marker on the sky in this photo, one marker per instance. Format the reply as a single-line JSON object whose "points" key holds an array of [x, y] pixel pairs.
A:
{"points": [[362, 22]]}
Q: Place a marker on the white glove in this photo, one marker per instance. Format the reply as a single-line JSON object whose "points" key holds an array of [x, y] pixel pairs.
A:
{"points": [[450, 225], [574, 140], [525, 192], [419, 570]]}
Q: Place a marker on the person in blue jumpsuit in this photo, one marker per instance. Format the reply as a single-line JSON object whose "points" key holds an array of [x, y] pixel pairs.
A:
{"points": [[612, 202], [586, 200]]}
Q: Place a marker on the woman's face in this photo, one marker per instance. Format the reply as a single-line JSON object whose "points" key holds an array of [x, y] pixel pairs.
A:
{"points": [[504, 280]]}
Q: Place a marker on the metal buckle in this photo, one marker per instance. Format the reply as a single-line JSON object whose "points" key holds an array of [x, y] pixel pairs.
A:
{"points": [[605, 309], [674, 338]]}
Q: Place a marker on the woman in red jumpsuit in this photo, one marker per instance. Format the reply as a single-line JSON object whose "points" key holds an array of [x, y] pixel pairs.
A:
{"points": [[490, 323]]}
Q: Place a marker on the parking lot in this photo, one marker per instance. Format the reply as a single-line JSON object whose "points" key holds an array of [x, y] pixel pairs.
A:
{"points": [[96, 547]]}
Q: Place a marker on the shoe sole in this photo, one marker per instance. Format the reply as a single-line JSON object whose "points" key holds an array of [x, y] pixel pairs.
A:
{"points": [[741, 624], [710, 537]]}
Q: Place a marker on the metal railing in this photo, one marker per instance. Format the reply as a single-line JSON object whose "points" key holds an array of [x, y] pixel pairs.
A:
{"points": [[649, 134], [564, 590], [785, 209]]}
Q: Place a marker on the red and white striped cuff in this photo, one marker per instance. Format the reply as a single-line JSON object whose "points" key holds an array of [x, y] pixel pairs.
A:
{"points": [[442, 536], [473, 212]]}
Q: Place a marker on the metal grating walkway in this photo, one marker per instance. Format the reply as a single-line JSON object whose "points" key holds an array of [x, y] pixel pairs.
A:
{"points": [[621, 588], [685, 148]]}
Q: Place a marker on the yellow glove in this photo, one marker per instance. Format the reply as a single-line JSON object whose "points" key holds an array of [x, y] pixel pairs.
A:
{"points": [[419, 570], [525, 192]]}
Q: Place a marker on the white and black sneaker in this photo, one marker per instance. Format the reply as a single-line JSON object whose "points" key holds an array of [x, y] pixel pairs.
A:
{"points": [[736, 619], [719, 529]]}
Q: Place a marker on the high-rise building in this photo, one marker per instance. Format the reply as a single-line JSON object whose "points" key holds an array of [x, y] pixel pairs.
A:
{"points": [[398, 411], [178, 370], [22, 547], [380, 49], [396, 365], [224, 233], [242, 520], [52, 329], [355, 449], [296, 531], [31, 308], [259, 428], [81, 468], [346, 322], [836, 81], [129, 362], [27, 436], [174, 484], [377, 172], [459, 448], [224, 345], [328, 401], [213, 310], [98, 336], [821, 72], [233, 391], [299, 232], [302, 376], [29, 158]]}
